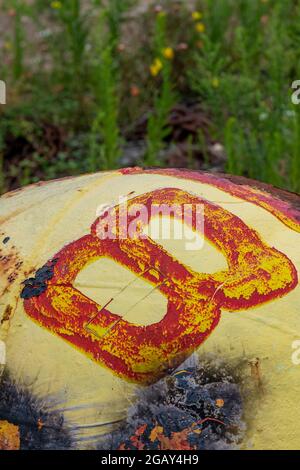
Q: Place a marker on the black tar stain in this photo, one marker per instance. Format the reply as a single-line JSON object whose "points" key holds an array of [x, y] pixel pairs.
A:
{"points": [[35, 286], [19, 406]]}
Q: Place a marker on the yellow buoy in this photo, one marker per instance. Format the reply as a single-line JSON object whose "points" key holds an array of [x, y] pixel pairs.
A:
{"points": [[133, 294]]}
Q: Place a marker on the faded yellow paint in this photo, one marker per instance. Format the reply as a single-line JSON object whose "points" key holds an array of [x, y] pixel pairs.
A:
{"points": [[41, 220]]}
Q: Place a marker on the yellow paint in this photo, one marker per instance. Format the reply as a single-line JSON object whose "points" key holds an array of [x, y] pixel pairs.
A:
{"points": [[41, 220]]}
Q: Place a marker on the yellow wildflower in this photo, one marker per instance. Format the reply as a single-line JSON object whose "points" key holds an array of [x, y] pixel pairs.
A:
{"points": [[215, 82], [156, 67], [200, 27], [56, 5], [197, 15], [168, 53]]}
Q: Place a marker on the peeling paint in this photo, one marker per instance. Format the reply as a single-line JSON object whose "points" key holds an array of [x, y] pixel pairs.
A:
{"points": [[69, 387]]}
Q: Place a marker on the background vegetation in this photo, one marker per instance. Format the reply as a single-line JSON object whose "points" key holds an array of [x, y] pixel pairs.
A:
{"points": [[97, 85]]}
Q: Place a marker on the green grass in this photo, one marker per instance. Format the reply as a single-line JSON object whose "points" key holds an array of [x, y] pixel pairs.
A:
{"points": [[255, 63], [164, 98], [89, 57]]}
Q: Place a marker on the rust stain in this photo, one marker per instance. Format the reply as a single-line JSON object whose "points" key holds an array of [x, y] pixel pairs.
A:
{"points": [[10, 265], [176, 441], [255, 369], [10, 268], [9, 436], [7, 314], [40, 424], [220, 402]]}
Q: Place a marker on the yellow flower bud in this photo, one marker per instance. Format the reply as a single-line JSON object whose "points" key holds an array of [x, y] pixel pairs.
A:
{"points": [[56, 5], [156, 67], [197, 15], [215, 82], [168, 53], [200, 27]]}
